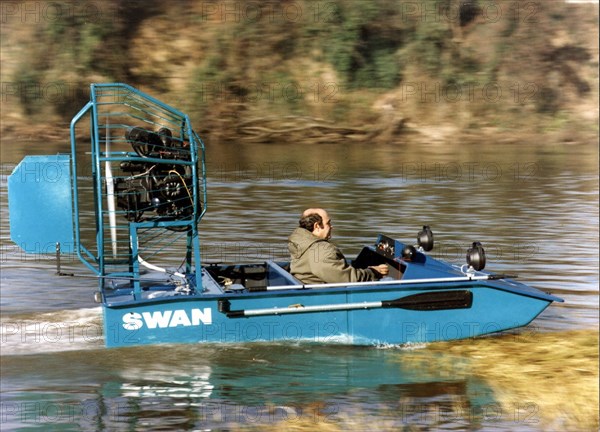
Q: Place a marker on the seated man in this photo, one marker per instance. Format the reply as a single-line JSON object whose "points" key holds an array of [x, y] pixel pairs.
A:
{"points": [[316, 260]]}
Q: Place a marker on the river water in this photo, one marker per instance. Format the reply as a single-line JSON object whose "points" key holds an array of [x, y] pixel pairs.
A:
{"points": [[534, 206]]}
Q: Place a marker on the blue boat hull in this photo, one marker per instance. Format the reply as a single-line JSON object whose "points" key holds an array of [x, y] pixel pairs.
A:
{"points": [[496, 306]]}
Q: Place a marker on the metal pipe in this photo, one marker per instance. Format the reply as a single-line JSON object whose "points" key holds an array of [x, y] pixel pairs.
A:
{"points": [[379, 283]]}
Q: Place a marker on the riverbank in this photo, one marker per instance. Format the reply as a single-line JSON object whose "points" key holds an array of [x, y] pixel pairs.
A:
{"points": [[317, 72], [23, 136]]}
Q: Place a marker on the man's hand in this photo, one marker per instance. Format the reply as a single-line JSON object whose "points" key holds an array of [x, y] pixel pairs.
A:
{"points": [[382, 269]]}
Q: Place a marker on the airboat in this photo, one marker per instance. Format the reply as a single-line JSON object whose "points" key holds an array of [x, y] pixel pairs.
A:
{"points": [[133, 191]]}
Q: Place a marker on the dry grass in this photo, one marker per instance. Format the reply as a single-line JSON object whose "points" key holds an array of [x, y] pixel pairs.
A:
{"points": [[556, 373], [549, 381]]}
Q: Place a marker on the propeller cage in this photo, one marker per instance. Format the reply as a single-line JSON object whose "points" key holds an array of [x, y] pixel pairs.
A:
{"points": [[146, 191]]}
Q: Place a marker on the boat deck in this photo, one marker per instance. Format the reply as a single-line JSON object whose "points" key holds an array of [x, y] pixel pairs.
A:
{"points": [[270, 277], [231, 279], [216, 280]]}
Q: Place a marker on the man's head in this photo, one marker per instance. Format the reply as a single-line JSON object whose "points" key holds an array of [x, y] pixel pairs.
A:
{"points": [[317, 221]]}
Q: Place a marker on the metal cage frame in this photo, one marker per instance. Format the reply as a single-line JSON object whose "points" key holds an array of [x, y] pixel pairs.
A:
{"points": [[114, 111]]}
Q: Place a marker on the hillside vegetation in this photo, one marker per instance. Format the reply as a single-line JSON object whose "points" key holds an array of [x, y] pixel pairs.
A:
{"points": [[320, 71]]}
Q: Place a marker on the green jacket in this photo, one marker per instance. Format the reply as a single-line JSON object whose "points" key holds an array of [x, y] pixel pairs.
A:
{"points": [[315, 260]]}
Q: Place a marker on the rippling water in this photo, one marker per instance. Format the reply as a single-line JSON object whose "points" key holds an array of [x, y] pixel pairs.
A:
{"points": [[534, 207]]}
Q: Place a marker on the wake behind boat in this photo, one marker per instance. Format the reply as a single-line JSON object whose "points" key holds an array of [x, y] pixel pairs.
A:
{"points": [[138, 166]]}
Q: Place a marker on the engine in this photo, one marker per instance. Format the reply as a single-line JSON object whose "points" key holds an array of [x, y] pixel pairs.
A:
{"points": [[161, 188]]}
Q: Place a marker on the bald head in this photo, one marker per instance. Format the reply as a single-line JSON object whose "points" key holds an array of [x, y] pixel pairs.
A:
{"points": [[321, 212], [317, 221]]}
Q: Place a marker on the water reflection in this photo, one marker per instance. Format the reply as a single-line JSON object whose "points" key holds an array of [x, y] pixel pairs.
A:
{"points": [[274, 384]]}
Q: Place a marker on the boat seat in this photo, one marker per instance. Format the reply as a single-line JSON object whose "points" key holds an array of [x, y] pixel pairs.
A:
{"points": [[278, 276]]}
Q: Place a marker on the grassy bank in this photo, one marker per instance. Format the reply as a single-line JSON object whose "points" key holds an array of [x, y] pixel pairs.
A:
{"points": [[369, 71]]}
